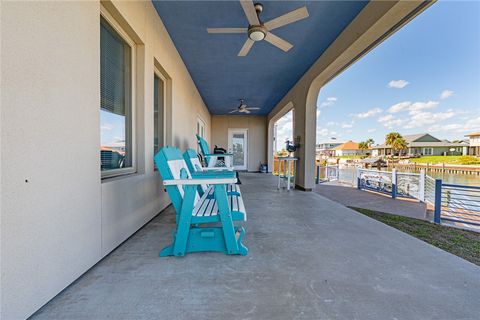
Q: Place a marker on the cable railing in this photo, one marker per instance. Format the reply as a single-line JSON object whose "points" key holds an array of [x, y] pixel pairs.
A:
{"points": [[455, 204], [459, 204], [327, 173]]}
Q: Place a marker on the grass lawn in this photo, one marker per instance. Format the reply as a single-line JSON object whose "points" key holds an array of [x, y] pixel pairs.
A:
{"points": [[465, 160], [462, 243]]}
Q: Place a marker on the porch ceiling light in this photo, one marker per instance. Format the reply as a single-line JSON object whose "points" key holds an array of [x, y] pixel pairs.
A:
{"points": [[257, 33]]}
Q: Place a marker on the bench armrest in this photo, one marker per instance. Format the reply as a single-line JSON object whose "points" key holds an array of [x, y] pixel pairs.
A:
{"points": [[219, 155], [217, 168], [194, 182], [214, 175]]}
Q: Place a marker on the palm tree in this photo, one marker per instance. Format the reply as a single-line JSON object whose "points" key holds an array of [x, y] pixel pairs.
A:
{"points": [[370, 142], [391, 137], [399, 144], [363, 145]]}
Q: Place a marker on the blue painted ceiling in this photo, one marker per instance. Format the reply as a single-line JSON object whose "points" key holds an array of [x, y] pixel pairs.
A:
{"points": [[266, 74]]}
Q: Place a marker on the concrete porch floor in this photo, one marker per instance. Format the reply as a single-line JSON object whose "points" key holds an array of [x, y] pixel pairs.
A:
{"points": [[309, 258]]}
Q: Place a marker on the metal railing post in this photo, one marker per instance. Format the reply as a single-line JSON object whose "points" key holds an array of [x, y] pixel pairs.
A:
{"points": [[317, 179], [358, 179], [421, 186], [438, 201], [394, 183]]}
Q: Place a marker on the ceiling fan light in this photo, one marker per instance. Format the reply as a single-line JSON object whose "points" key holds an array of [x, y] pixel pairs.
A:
{"points": [[256, 33]]}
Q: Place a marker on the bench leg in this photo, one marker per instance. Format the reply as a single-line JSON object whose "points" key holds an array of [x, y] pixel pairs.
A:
{"points": [[179, 245], [229, 231]]}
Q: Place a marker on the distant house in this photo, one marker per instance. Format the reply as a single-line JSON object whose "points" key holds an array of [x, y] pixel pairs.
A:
{"points": [[327, 148], [425, 144], [474, 141], [350, 148]]}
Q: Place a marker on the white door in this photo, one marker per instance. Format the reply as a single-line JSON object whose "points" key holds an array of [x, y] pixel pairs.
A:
{"points": [[237, 144]]}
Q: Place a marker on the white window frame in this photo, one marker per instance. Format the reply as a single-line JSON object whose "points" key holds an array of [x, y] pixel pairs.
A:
{"points": [[121, 32], [428, 154], [163, 132], [200, 124]]}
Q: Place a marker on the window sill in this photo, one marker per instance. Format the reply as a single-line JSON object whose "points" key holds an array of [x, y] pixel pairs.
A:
{"points": [[120, 176]]}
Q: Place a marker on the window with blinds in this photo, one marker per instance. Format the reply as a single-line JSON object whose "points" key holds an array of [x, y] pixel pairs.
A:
{"points": [[115, 100], [158, 112]]}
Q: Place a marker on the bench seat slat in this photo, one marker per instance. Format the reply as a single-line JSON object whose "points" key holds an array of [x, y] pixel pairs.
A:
{"points": [[207, 205]]}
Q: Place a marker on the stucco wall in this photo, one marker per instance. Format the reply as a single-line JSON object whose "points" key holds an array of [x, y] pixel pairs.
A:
{"points": [[257, 136], [57, 217]]}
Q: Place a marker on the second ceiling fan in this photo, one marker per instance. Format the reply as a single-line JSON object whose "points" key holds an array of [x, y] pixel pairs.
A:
{"points": [[258, 31]]}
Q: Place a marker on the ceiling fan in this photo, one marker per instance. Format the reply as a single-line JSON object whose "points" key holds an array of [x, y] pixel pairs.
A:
{"points": [[242, 108], [258, 31]]}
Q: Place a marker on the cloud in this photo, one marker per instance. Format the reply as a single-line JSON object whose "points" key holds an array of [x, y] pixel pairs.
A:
{"points": [[389, 121], [446, 94], [106, 126], [368, 114], [347, 125], [407, 105], [332, 123], [371, 130], [386, 118], [398, 84], [284, 129], [318, 112], [468, 126], [329, 102], [399, 107], [417, 106], [324, 132], [421, 118]]}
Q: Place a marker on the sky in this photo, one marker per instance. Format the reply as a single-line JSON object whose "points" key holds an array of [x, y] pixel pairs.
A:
{"points": [[424, 78]]}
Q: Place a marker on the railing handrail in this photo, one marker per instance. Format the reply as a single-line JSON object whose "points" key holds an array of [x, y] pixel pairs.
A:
{"points": [[460, 186]]}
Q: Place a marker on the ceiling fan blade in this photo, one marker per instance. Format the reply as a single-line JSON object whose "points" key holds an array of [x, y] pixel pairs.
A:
{"points": [[246, 111], [253, 108], [233, 111], [246, 47], [278, 42], [227, 30], [250, 12], [292, 16]]}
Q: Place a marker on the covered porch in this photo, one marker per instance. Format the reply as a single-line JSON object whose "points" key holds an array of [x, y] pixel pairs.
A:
{"points": [[309, 258], [81, 195]]}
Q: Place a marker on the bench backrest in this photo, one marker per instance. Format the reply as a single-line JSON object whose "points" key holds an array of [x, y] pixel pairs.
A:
{"points": [[172, 165], [194, 164], [204, 148]]}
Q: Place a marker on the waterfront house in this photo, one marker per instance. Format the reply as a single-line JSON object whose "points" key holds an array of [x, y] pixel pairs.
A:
{"points": [[474, 143], [424, 144], [92, 89], [326, 148], [350, 148]]}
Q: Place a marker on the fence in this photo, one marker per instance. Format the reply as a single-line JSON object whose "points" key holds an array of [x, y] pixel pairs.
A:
{"points": [[455, 204], [327, 173]]}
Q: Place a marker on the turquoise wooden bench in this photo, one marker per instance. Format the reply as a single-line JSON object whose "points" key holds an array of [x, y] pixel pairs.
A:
{"points": [[194, 165], [205, 219], [212, 159]]}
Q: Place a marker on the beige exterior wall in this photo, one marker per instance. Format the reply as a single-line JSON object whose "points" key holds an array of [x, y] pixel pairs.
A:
{"points": [[257, 136], [57, 217]]}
